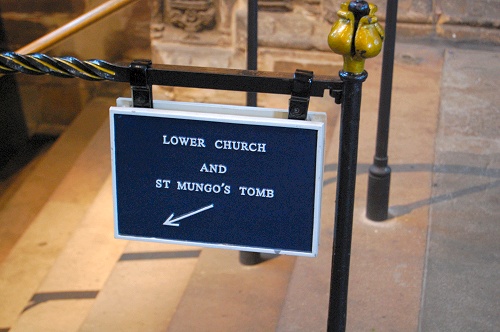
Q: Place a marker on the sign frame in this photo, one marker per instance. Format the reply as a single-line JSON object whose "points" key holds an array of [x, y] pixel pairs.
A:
{"points": [[227, 114]]}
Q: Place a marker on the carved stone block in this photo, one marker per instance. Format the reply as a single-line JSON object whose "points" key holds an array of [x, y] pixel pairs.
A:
{"points": [[192, 15]]}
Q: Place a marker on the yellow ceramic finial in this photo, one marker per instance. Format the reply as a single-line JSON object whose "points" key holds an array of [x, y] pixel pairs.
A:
{"points": [[356, 35]]}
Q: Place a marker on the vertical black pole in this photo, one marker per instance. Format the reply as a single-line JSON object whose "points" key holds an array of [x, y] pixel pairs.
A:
{"points": [[346, 184], [251, 258], [379, 174], [252, 45]]}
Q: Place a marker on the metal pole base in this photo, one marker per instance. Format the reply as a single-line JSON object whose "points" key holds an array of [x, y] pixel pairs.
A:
{"points": [[250, 258], [379, 182]]}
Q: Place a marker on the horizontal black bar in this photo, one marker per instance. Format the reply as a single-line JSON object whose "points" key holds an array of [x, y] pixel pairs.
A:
{"points": [[235, 80], [167, 75]]}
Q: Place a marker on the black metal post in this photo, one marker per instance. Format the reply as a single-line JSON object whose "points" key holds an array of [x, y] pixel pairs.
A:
{"points": [[251, 258], [252, 45], [344, 209], [379, 174]]}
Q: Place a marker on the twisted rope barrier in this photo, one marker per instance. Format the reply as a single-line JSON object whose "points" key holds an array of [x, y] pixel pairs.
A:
{"points": [[65, 67]]}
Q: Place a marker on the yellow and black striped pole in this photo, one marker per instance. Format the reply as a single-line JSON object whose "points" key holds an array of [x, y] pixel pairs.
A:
{"points": [[65, 67]]}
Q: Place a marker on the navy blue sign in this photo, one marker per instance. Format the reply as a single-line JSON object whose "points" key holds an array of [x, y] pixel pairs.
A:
{"points": [[216, 180]]}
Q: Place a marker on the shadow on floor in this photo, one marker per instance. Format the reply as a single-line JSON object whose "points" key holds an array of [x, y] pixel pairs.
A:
{"points": [[400, 210]]}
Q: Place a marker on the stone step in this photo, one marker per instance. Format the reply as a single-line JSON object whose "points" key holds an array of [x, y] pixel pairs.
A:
{"points": [[224, 295], [68, 261], [57, 203], [143, 289], [104, 284], [78, 273], [33, 188]]}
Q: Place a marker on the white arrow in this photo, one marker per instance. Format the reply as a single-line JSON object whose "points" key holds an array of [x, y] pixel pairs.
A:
{"points": [[170, 221]]}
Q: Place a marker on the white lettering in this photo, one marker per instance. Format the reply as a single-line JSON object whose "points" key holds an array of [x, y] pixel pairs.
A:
{"points": [[160, 183], [184, 141], [213, 168], [261, 192], [182, 185], [256, 192], [240, 146], [204, 187]]}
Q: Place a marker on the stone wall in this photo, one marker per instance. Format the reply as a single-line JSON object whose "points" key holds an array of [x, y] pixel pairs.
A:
{"points": [[49, 104], [293, 23], [292, 33], [460, 20]]}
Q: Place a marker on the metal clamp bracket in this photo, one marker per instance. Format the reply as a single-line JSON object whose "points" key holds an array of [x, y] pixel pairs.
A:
{"points": [[142, 90], [301, 93], [337, 95]]}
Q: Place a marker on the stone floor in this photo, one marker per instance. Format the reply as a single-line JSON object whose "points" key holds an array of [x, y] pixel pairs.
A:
{"points": [[433, 266]]}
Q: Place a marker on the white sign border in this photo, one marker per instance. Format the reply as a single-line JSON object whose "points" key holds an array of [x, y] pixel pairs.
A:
{"points": [[205, 112]]}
